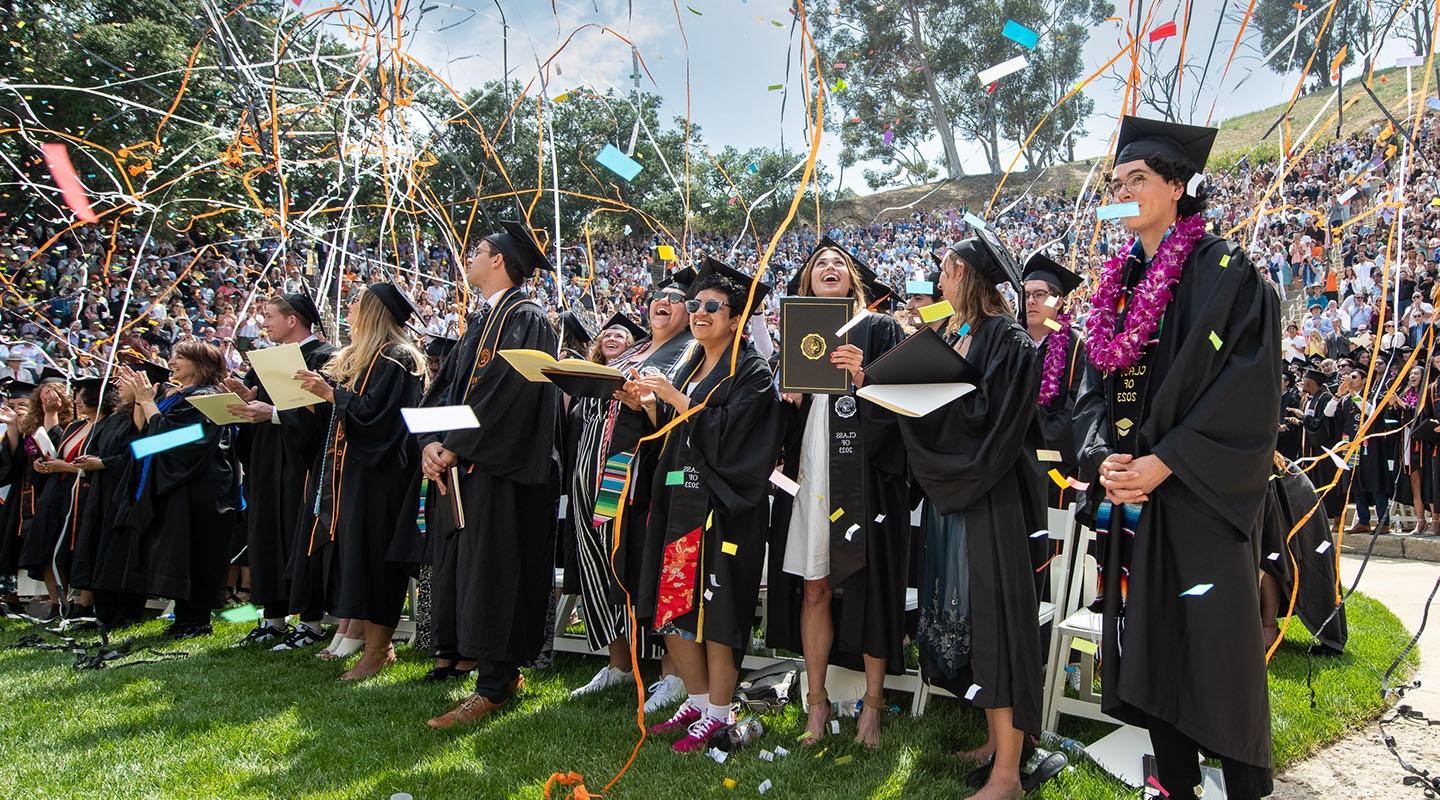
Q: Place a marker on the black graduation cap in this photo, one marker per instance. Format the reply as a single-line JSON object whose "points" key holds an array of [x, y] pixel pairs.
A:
{"points": [[14, 388], [576, 328], [157, 373], [715, 266], [303, 306], [440, 346], [1315, 358], [985, 253], [1141, 138], [792, 286], [1040, 267], [399, 304], [53, 375], [1316, 375], [521, 251], [680, 279], [636, 330], [87, 385]]}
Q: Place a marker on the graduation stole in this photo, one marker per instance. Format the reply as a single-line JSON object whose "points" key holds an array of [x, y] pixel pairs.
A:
{"points": [[490, 336], [682, 556], [849, 520]]}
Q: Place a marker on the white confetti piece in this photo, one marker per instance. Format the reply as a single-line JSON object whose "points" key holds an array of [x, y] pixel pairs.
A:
{"points": [[783, 483], [1040, 534], [782, 752], [1048, 455], [843, 329], [1052, 301], [850, 532], [1273, 556], [718, 755], [879, 518], [1002, 69], [835, 726], [972, 691], [765, 786], [766, 755], [1197, 590], [1324, 546], [709, 595], [1194, 183]]}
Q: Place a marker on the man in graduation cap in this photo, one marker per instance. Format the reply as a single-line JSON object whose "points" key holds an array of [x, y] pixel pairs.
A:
{"points": [[491, 577], [1062, 360], [278, 451], [1176, 423]]}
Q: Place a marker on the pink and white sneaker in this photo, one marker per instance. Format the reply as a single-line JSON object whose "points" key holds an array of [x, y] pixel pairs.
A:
{"points": [[697, 737], [683, 719]]}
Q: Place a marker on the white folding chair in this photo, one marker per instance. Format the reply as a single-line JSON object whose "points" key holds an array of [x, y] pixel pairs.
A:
{"points": [[1076, 623]]}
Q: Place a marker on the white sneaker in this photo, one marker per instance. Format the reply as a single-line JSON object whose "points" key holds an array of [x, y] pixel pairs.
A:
{"points": [[607, 676], [665, 692]]}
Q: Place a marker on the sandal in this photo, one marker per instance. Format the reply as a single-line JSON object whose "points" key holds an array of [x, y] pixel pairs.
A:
{"points": [[877, 704], [811, 701]]}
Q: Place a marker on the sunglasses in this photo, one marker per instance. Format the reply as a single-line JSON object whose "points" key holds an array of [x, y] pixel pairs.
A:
{"points": [[710, 306], [670, 297]]}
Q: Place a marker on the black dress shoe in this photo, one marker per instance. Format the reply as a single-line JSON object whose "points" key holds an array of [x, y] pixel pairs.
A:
{"points": [[451, 672]]}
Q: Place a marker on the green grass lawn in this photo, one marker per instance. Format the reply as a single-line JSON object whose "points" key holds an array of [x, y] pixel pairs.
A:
{"points": [[245, 723]]}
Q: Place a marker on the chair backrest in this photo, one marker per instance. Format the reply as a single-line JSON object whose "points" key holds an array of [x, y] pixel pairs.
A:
{"points": [[1061, 522], [1081, 589]]}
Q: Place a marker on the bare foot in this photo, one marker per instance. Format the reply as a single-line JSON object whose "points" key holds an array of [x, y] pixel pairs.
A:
{"points": [[370, 664], [980, 755], [868, 732], [818, 721], [1000, 789]]}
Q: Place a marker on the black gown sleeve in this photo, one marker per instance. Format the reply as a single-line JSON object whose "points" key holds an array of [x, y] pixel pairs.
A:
{"points": [[736, 436], [375, 432]]}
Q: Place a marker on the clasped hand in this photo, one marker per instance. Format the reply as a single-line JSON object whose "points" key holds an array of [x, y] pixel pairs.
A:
{"points": [[1128, 479]]}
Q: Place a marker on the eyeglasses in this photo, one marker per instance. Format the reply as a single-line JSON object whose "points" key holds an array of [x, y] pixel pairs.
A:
{"points": [[710, 306], [1039, 295], [1134, 184], [670, 297]]}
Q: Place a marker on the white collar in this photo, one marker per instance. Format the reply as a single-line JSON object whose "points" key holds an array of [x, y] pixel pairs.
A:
{"points": [[494, 299]]}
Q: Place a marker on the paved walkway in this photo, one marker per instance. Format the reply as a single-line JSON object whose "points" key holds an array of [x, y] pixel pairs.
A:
{"points": [[1359, 765]]}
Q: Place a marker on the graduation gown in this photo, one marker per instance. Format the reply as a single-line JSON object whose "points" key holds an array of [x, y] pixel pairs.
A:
{"points": [[1322, 427], [970, 458], [1288, 443], [1288, 559], [181, 507], [705, 539], [22, 503], [868, 479], [357, 523], [97, 562], [55, 506], [599, 430], [1378, 469], [1056, 426], [1197, 663], [491, 580], [277, 461]]}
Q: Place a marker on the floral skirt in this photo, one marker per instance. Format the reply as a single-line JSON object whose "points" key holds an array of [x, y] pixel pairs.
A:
{"points": [[944, 633]]}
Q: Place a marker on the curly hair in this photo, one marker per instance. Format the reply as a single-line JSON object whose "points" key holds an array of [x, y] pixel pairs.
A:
{"points": [[35, 408], [735, 294], [1176, 171]]}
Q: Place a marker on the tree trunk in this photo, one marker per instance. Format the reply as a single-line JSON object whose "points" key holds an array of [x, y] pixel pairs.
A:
{"points": [[992, 149], [954, 169]]}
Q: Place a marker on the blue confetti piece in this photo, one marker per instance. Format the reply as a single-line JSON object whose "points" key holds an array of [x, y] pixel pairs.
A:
{"points": [[964, 329], [919, 287], [974, 221], [1118, 210], [752, 168], [169, 440], [1433, 102], [1020, 34], [617, 162], [1197, 590]]}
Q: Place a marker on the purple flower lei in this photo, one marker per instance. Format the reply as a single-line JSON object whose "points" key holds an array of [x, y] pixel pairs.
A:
{"points": [[1056, 345], [1111, 350]]}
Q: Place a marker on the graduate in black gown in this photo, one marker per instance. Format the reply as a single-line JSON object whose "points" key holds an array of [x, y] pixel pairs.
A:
{"points": [[491, 579], [1291, 417], [98, 563], [705, 537], [182, 504], [1062, 362], [1321, 428], [40, 554], [47, 411], [1180, 433], [357, 520], [278, 450], [1307, 558], [1378, 469], [837, 591], [979, 631]]}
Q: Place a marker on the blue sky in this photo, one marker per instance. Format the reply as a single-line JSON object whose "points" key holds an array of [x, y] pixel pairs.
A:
{"points": [[735, 52]]}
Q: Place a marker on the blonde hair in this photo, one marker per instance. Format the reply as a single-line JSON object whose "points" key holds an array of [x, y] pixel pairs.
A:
{"points": [[976, 298], [372, 331], [857, 283]]}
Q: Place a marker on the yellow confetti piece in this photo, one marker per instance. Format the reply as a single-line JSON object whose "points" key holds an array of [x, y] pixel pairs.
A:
{"points": [[1052, 324], [1048, 455], [729, 548], [731, 783], [1085, 646], [837, 514], [1058, 478], [843, 760], [1215, 340], [709, 520], [1225, 260], [562, 97], [665, 252], [936, 311]]}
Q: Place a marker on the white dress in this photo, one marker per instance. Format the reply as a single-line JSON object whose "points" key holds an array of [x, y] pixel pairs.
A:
{"points": [[807, 544]]}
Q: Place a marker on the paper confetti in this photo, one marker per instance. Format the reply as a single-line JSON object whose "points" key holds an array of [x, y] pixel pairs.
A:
{"points": [[764, 786], [729, 548], [1324, 546], [718, 754], [837, 514], [972, 691], [709, 520], [665, 252], [1156, 784], [709, 595], [1197, 590], [1118, 210], [675, 477], [879, 518], [1040, 534], [973, 221], [1225, 260], [1273, 556], [1052, 301], [887, 137], [766, 755], [1085, 646], [920, 287], [1215, 341], [1048, 455], [783, 483], [1078, 486], [1163, 32], [850, 532], [782, 752], [843, 760], [71, 190], [245, 613], [1002, 69], [835, 726], [160, 442], [1052, 324], [1058, 478], [617, 162], [844, 329], [775, 87], [936, 311], [1194, 183], [1410, 61], [1021, 35], [1349, 193], [731, 783]]}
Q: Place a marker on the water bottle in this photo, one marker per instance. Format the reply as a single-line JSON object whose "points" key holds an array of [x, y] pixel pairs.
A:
{"points": [[845, 709], [1054, 741], [736, 736]]}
